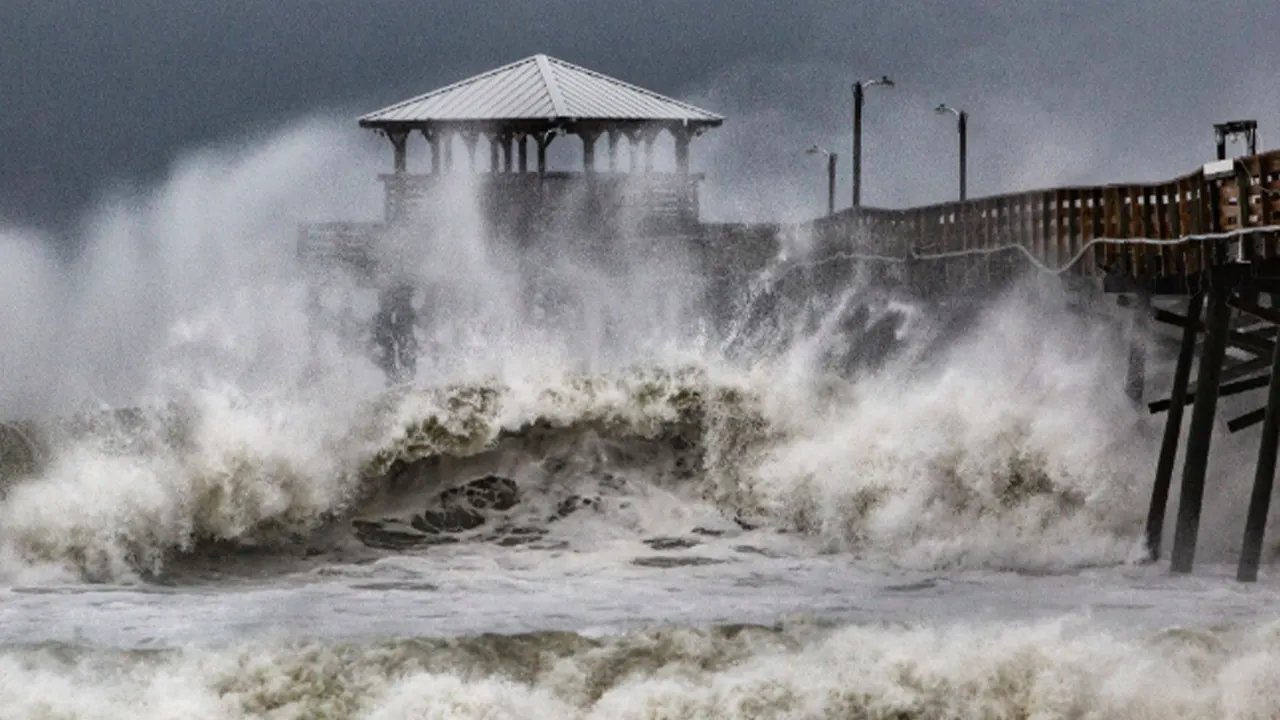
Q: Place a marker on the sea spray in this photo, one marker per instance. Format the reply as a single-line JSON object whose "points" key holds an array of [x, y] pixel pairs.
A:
{"points": [[938, 468]]}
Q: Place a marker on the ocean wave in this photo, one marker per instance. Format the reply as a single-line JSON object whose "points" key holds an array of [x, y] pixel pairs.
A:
{"points": [[1060, 668], [953, 467]]}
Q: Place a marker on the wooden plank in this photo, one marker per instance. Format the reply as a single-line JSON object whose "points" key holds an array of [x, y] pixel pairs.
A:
{"points": [[1162, 228], [1269, 200], [1048, 241], [1074, 209], [1063, 225], [1035, 207], [1115, 220], [1089, 212]]}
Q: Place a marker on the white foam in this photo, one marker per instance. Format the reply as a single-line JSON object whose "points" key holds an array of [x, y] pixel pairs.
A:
{"points": [[1058, 668]]}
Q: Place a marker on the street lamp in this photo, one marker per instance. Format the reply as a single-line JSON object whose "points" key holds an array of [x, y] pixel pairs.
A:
{"points": [[858, 89], [962, 119], [831, 175]]}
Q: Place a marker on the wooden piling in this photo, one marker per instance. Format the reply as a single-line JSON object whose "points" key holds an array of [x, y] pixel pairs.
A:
{"points": [[1263, 479], [1136, 370], [1172, 429], [1201, 431]]}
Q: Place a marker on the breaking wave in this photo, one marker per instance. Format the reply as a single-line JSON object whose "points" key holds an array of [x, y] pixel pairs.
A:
{"points": [[992, 456], [1049, 669], [637, 385]]}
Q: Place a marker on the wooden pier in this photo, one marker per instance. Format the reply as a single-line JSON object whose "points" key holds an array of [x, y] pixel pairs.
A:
{"points": [[1159, 238], [1209, 240], [1193, 251]]}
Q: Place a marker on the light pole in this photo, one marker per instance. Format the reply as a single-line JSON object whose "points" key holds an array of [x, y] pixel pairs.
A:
{"points": [[831, 176], [962, 119], [858, 89]]}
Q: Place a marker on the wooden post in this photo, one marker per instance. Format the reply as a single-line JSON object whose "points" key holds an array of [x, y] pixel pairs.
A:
{"points": [[633, 151], [494, 147], [682, 137], [589, 150], [522, 145], [399, 141], [1201, 431], [1172, 429], [544, 139], [469, 139], [508, 139], [613, 150], [433, 140], [1264, 477], [1136, 371], [650, 135]]}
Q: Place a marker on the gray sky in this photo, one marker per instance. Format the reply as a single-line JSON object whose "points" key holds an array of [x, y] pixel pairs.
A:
{"points": [[97, 94]]}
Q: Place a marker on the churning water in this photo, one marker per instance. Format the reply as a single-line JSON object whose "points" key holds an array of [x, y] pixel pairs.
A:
{"points": [[596, 498]]}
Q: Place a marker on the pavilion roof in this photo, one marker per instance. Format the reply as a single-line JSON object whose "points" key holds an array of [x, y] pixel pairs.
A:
{"points": [[539, 90]]}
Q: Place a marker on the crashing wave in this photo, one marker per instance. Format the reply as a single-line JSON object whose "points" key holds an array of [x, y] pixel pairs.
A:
{"points": [[946, 469], [1059, 668]]}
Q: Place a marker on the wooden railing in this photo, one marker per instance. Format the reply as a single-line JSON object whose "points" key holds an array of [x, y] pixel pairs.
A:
{"points": [[644, 201], [1092, 231]]}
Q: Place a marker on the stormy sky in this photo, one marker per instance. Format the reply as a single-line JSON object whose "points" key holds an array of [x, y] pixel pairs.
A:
{"points": [[95, 94]]}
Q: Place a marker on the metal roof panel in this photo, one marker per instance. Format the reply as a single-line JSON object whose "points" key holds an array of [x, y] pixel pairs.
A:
{"points": [[540, 88]]}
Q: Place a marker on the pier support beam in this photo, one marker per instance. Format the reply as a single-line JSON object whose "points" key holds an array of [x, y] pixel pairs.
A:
{"points": [[1201, 431], [1139, 325], [1172, 429], [1263, 479]]}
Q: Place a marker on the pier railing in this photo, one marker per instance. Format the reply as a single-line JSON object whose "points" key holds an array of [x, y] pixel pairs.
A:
{"points": [[1174, 228], [650, 201]]}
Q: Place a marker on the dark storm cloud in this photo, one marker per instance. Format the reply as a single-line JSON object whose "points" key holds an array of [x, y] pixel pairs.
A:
{"points": [[96, 93]]}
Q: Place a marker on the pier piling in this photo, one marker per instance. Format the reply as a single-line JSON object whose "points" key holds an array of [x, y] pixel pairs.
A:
{"points": [[1136, 371], [1172, 428], [1264, 477], [1200, 433]]}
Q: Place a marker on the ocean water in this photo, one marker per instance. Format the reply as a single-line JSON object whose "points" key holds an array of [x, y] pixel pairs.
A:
{"points": [[598, 496]]}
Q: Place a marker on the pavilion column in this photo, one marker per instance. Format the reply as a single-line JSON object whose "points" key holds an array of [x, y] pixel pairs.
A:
{"points": [[448, 151], [400, 140], [589, 138], [614, 135], [682, 136], [522, 143], [544, 139], [650, 135], [633, 146], [469, 139], [433, 141], [494, 143], [508, 140]]}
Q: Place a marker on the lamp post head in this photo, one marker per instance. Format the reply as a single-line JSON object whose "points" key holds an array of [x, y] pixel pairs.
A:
{"points": [[816, 150], [944, 108], [863, 84]]}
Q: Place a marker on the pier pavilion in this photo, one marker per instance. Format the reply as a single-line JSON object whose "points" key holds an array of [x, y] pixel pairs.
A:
{"points": [[516, 111]]}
